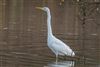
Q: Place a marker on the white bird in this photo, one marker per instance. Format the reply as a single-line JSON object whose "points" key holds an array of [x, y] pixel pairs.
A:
{"points": [[56, 45]]}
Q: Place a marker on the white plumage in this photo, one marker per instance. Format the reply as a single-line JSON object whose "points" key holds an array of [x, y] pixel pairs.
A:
{"points": [[56, 45]]}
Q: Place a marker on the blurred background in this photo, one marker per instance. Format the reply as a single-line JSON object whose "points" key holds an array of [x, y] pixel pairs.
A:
{"points": [[23, 31]]}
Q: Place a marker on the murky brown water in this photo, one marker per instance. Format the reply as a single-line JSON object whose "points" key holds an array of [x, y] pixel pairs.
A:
{"points": [[23, 58], [23, 33]]}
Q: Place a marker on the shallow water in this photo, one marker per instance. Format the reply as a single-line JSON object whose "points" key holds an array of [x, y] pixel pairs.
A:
{"points": [[15, 59], [24, 35]]}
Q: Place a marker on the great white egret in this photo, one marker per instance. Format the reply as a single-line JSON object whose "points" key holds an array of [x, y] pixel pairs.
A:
{"points": [[56, 45]]}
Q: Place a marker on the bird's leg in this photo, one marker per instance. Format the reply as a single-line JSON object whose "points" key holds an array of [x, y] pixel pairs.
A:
{"points": [[56, 58]]}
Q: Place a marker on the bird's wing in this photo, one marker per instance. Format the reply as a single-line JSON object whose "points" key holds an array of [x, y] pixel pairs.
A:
{"points": [[61, 44], [61, 47]]}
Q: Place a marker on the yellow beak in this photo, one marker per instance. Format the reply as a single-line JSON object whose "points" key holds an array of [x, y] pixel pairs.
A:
{"points": [[39, 8]]}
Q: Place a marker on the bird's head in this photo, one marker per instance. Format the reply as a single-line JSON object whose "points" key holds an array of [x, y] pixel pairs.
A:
{"points": [[43, 8]]}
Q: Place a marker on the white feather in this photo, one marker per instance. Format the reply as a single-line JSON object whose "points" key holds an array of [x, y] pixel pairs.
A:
{"points": [[56, 45]]}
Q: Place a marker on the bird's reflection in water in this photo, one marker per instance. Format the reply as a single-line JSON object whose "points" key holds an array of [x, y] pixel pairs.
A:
{"points": [[62, 64]]}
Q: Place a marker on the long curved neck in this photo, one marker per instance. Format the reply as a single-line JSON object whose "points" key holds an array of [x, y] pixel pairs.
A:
{"points": [[49, 23]]}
